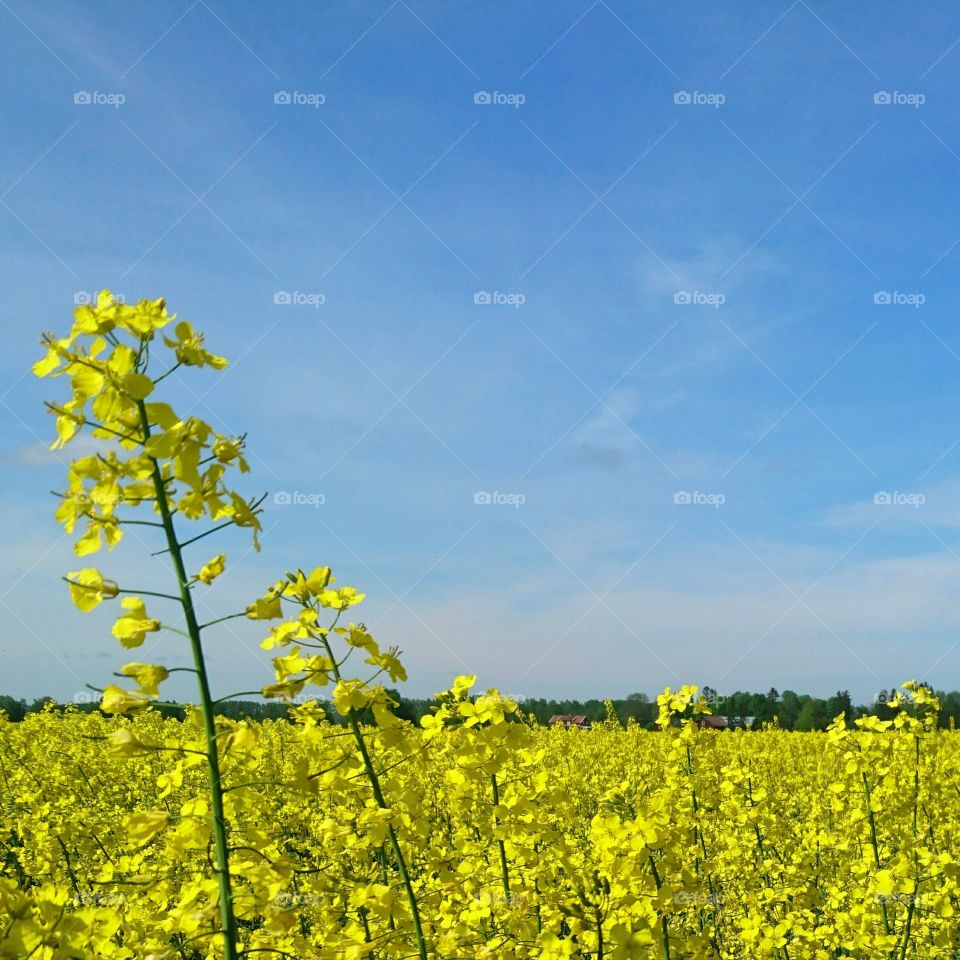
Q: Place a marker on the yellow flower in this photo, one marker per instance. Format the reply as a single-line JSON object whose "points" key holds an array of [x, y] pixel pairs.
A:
{"points": [[390, 663], [124, 743], [212, 569], [189, 348], [132, 627], [342, 598], [350, 695], [146, 826], [148, 677], [267, 607], [88, 589], [117, 700], [137, 386]]}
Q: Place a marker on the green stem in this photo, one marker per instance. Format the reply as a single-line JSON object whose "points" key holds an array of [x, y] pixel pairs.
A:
{"points": [[906, 930], [664, 926], [504, 871], [227, 917], [876, 849], [70, 871], [382, 804]]}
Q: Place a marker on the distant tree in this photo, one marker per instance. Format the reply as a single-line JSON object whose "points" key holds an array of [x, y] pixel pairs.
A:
{"points": [[757, 708], [773, 705], [789, 709], [593, 710], [813, 715], [738, 705], [406, 709], [950, 704], [839, 703], [16, 710], [633, 708]]}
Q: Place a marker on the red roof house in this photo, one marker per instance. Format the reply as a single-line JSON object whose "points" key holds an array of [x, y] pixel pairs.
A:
{"points": [[569, 720]]}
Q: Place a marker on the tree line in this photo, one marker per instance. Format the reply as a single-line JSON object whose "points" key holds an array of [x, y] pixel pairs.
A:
{"points": [[790, 710]]}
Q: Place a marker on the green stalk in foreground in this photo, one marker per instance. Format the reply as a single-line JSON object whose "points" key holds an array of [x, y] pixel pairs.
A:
{"points": [[504, 870], [146, 453], [374, 780], [227, 917]]}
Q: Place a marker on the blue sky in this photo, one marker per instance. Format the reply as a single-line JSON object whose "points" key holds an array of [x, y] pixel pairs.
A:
{"points": [[814, 369]]}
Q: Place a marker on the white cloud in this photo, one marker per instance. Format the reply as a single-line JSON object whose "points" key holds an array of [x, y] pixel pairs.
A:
{"points": [[39, 454]]}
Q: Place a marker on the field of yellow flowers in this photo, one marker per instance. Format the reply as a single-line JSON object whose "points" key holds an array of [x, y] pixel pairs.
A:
{"points": [[474, 835], [519, 841]]}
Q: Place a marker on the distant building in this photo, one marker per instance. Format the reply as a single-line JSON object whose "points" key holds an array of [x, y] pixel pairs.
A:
{"points": [[569, 720], [707, 721]]}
